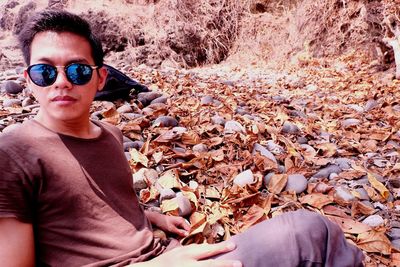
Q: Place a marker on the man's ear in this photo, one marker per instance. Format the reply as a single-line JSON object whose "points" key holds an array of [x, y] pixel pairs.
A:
{"points": [[28, 80], [102, 78]]}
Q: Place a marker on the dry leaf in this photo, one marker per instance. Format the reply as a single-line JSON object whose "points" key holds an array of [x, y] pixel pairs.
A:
{"points": [[378, 186], [374, 241], [277, 183], [316, 200], [137, 157]]}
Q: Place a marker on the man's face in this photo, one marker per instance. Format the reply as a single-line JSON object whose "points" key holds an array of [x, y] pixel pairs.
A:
{"points": [[63, 101]]}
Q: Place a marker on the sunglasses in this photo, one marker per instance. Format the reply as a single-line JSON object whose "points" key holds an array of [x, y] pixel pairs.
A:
{"points": [[45, 75]]}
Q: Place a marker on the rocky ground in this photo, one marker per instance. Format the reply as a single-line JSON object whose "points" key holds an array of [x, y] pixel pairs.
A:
{"points": [[229, 147]]}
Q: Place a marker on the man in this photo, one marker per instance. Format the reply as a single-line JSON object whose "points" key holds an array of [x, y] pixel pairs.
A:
{"points": [[66, 195]]}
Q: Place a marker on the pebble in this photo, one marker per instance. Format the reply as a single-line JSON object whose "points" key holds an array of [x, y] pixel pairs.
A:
{"points": [[233, 127], [363, 193], [371, 104], [207, 100], [139, 179], [325, 172], [159, 100], [350, 122], [274, 148], [7, 103], [124, 109], [344, 194], [133, 144], [356, 108], [290, 128], [343, 163], [374, 220], [267, 178], [185, 207], [394, 233], [396, 244], [333, 176], [297, 183], [12, 87], [242, 111], [166, 193], [244, 178], [146, 97], [27, 102], [132, 116], [216, 119], [165, 121], [264, 152], [200, 148], [302, 140], [193, 185]]}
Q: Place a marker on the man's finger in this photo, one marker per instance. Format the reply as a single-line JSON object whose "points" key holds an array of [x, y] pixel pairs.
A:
{"points": [[204, 251]]}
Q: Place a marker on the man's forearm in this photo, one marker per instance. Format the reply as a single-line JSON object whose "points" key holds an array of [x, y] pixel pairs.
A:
{"points": [[154, 217]]}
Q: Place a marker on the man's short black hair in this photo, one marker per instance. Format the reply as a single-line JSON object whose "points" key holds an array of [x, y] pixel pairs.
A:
{"points": [[58, 21]]}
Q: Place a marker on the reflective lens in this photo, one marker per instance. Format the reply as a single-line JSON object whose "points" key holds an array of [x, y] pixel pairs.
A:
{"points": [[45, 75]]}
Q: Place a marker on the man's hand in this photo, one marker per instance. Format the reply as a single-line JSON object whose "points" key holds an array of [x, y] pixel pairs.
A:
{"points": [[172, 224], [194, 256]]}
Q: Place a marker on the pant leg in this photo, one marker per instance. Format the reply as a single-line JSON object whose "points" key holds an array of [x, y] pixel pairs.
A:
{"points": [[299, 238]]}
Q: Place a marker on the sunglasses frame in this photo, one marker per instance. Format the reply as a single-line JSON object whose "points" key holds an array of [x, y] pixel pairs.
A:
{"points": [[93, 67]]}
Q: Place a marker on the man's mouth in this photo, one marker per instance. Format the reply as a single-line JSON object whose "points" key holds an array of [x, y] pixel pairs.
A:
{"points": [[65, 99]]}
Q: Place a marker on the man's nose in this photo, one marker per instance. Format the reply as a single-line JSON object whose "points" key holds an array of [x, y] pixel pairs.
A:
{"points": [[62, 81]]}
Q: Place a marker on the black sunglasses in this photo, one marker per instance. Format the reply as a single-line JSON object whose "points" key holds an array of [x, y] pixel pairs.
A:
{"points": [[45, 75]]}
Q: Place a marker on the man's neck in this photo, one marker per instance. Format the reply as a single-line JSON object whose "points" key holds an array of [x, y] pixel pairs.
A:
{"points": [[81, 128]]}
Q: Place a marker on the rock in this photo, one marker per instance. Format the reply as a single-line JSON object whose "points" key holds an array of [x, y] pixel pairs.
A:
{"points": [[267, 178], [207, 100], [264, 152], [216, 119], [356, 108], [7, 103], [368, 203], [241, 111], [160, 100], [200, 148], [370, 105], [233, 127], [333, 176], [396, 244], [290, 128], [124, 109], [229, 83], [343, 163], [311, 88], [350, 122], [133, 144], [139, 179], [193, 185], [344, 194], [165, 121], [374, 220], [166, 193], [244, 178], [274, 148], [21, 80], [128, 156], [297, 183], [146, 97], [185, 207], [19, 70], [363, 193], [12, 87], [325, 172], [302, 140], [394, 233], [131, 116], [27, 102]]}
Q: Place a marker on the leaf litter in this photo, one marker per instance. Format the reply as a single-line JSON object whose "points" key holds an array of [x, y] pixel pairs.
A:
{"points": [[224, 150]]}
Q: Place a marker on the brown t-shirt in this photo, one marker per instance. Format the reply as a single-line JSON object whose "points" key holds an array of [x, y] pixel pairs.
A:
{"points": [[77, 193]]}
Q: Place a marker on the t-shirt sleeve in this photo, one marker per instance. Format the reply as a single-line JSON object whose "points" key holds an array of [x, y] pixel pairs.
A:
{"points": [[15, 190]]}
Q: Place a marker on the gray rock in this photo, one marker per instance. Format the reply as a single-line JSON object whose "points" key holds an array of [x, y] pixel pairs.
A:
{"points": [[216, 119], [146, 97], [165, 121], [244, 178], [302, 140], [133, 144], [139, 179], [394, 233], [193, 185], [185, 207], [363, 193], [233, 127], [325, 172], [200, 148], [161, 99], [333, 176], [132, 116], [12, 87], [370, 105], [290, 128], [350, 122], [7, 103], [264, 152], [368, 203], [267, 178], [166, 193], [344, 194], [356, 108], [21, 79], [124, 109], [242, 111], [27, 102], [343, 163], [229, 83], [19, 70], [207, 100], [274, 148], [396, 244], [297, 183], [311, 88], [374, 220]]}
